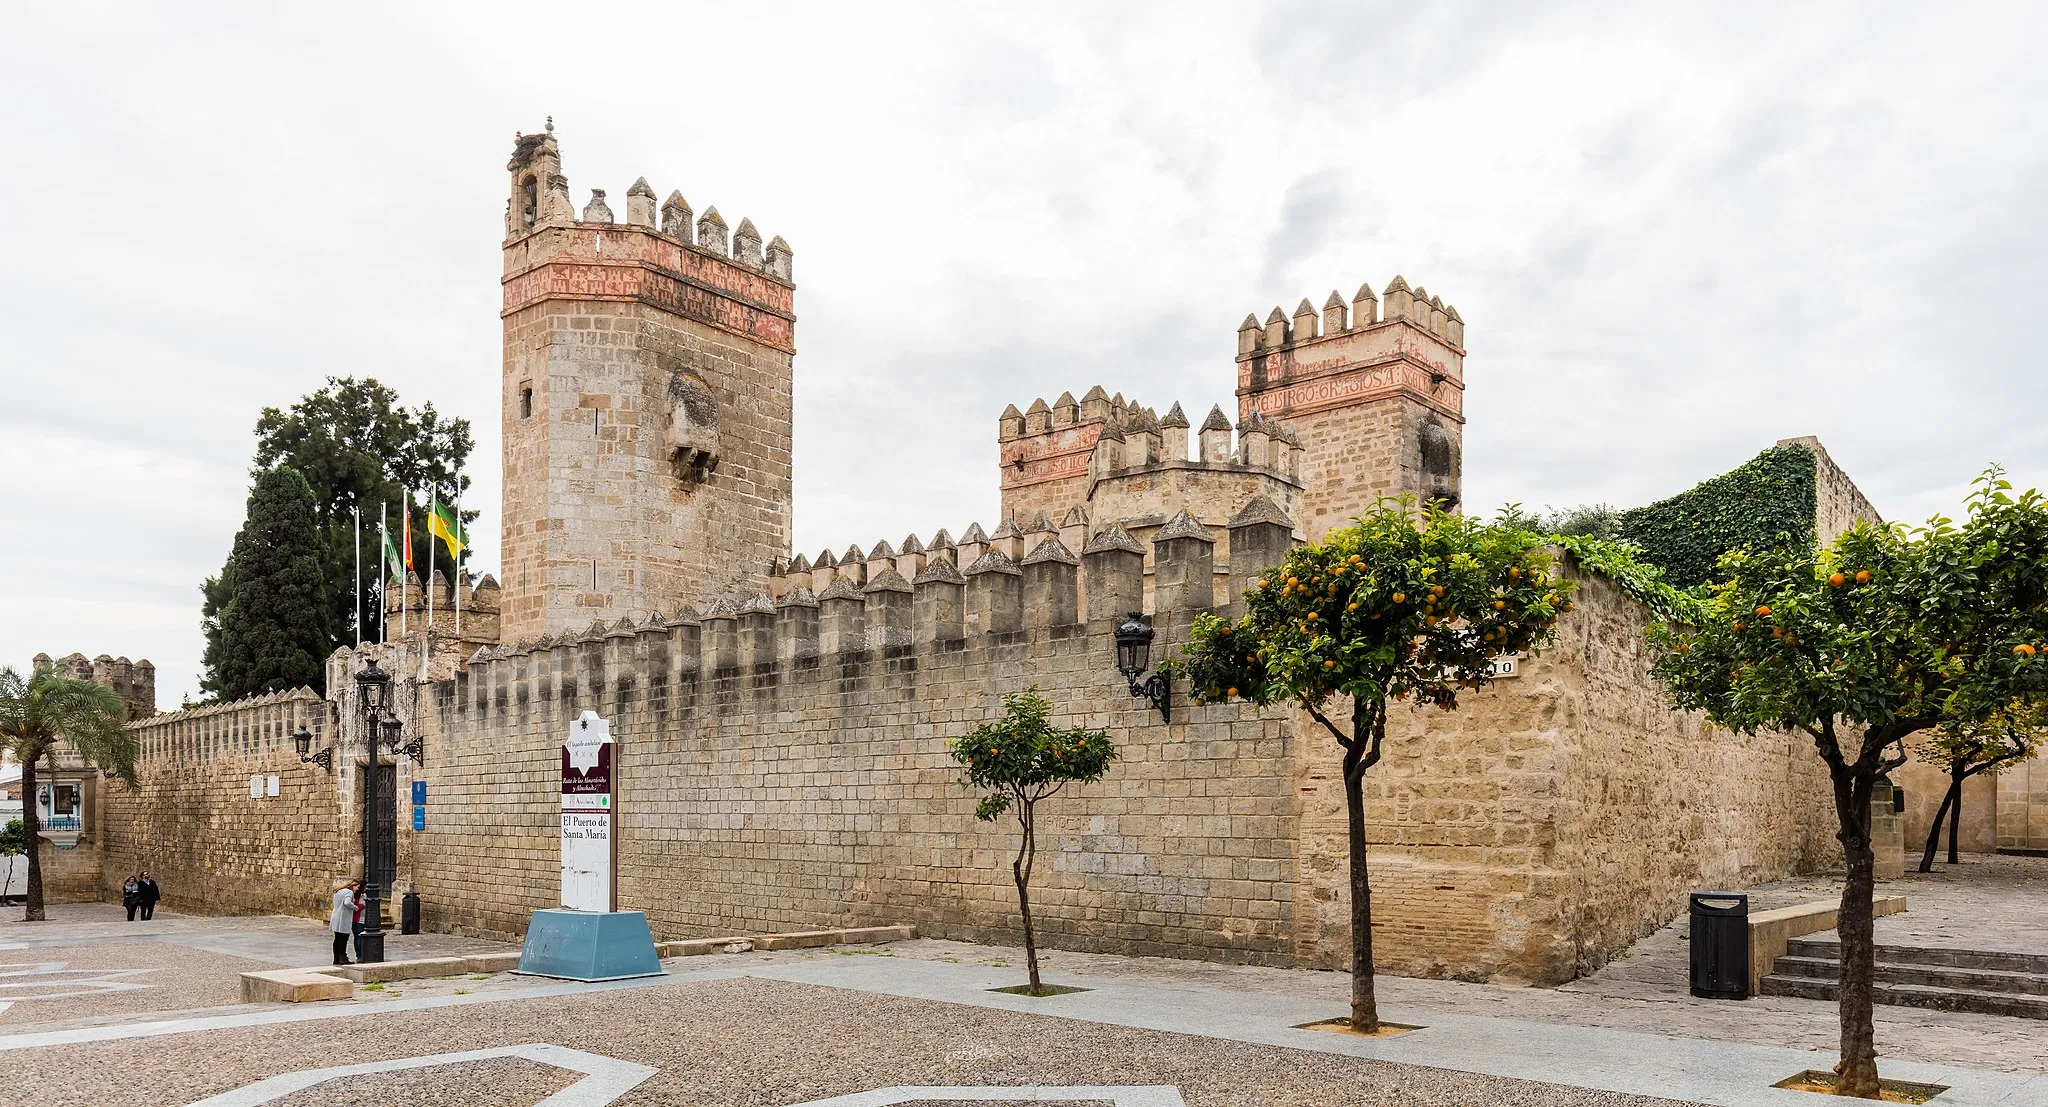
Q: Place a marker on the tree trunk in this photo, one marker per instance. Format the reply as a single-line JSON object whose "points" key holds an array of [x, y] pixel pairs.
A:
{"points": [[1365, 1011], [1948, 800], [1955, 815], [32, 825], [1856, 1074], [1027, 852]]}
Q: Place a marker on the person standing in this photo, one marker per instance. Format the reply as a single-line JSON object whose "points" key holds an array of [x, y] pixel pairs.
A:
{"points": [[342, 921], [147, 893], [131, 894], [358, 928]]}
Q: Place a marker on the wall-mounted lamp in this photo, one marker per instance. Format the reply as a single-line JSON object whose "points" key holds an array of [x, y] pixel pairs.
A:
{"points": [[1133, 656]]}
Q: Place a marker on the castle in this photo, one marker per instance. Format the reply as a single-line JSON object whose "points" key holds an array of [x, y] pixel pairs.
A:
{"points": [[782, 719]]}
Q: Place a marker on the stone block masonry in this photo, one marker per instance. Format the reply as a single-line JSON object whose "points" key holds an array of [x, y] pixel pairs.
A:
{"points": [[214, 847]]}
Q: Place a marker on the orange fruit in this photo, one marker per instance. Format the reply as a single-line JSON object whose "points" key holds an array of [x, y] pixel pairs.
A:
{"points": [[1353, 607], [1500, 605], [1777, 632], [1329, 664], [1230, 691], [2023, 650], [1837, 580], [1863, 576], [1763, 612], [1399, 598]]}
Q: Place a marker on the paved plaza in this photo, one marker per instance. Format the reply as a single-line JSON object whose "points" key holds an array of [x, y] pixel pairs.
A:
{"points": [[94, 1000]]}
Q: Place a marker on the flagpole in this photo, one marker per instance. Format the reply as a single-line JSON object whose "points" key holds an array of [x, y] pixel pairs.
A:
{"points": [[405, 522], [384, 559], [357, 512], [433, 499], [460, 548]]}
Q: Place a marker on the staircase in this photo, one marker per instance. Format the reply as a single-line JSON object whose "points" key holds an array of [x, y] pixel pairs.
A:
{"points": [[1988, 983]]}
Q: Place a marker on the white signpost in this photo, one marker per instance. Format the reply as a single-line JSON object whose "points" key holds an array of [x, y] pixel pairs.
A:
{"points": [[587, 814], [588, 937]]}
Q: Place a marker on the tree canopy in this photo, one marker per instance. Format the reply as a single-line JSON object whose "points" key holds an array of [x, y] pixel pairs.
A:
{"points": [[267, 616], [358, 448]]}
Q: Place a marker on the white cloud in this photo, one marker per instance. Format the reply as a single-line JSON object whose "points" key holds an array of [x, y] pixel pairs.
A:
{"points": [[1676, 235]]}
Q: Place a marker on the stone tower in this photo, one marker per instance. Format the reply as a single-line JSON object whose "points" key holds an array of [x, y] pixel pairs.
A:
{"points": [[1377, 398], [646, 403]]}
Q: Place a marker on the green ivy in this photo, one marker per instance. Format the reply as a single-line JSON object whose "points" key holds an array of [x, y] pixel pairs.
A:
{"points": [[1621, 562], [1766, 503]]}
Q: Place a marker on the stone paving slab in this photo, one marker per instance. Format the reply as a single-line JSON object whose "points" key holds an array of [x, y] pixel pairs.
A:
{"points": [[758, 1043], [113, 978]]}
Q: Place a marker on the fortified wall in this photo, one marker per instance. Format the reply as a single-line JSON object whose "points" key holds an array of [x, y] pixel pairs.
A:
{"points": [[782, 721]]}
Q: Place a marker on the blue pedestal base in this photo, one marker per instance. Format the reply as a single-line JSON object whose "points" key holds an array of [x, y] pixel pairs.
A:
{"points": [[589, 945]]}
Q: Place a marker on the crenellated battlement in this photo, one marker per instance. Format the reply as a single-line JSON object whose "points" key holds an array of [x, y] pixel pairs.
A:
{"points": [[133, 681], [729, 280], [1027, 579]]}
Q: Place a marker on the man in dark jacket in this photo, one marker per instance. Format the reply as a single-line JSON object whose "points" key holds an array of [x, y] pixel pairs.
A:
{"points": [[147, 894]]}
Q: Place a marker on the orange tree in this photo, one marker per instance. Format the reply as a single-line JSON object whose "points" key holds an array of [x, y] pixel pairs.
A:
{"points": [[1401, 604], [1022, 759], [1962, 752], [1888, 633]]}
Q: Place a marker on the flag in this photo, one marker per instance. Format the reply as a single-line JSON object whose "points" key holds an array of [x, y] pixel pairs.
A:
{"points": [[446, 524], [394, 562], [406, 517]]}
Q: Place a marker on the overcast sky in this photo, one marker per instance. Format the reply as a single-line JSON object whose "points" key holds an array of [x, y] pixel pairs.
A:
{"points": [[1675, 236]]}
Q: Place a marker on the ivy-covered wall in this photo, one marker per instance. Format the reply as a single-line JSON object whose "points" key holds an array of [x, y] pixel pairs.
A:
{"points": [[1767, 501]]}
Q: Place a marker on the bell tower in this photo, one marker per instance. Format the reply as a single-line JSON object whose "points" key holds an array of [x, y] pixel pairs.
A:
{"points": [[647, 381]]}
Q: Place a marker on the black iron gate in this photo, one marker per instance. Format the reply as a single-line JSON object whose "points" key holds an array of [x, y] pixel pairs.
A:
{"points": [[384, 849]]}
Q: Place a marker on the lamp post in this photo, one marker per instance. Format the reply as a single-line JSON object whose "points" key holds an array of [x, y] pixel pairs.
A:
{"points": [[374, 684], [1133, 655], [302, 739]]}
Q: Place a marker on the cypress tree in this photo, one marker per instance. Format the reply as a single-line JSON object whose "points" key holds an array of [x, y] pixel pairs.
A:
{"points": [[269, 623]]}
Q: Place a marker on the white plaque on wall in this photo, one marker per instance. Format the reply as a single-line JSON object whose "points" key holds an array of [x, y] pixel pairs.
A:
{"points": [[587, 814], [255, 787]]}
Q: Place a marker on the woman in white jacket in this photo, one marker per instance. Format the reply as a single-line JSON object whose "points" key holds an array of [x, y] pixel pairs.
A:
{"points": [[343, 921]]}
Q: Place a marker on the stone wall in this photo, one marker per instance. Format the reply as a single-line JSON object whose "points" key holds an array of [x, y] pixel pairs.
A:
{"points": [[1555, 817], [2023, 806], [787, 769], [213, 847]]}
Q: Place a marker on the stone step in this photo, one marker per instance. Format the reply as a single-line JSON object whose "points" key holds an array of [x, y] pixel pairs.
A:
{"points": [[1999, 960], [1916, 995], [1932, 976]]}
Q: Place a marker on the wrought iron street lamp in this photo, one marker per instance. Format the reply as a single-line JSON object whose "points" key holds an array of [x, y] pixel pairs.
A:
{"points": [[375, 686], [1133, 655], [303, 740]]}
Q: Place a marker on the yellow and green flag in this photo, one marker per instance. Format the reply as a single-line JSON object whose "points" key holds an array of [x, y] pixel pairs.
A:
{"points": [[445, 523]]}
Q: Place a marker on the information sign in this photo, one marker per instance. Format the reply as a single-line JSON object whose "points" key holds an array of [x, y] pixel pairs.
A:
{"points": [[587, 814]]}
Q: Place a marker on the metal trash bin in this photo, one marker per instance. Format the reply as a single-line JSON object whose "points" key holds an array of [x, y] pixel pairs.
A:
{"points": [[409, 913], [1720, 945]]}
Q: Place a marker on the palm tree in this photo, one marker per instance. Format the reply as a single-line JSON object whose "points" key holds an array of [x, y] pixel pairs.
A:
{"points": [[38, 713]]}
